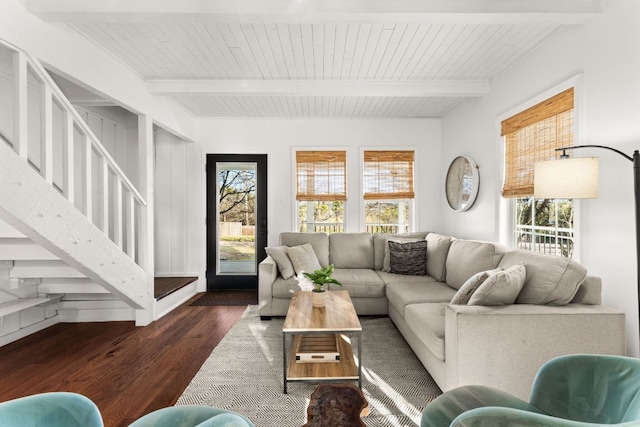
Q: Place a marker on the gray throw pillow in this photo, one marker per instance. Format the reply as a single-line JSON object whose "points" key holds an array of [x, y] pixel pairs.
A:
{"points": [[468, 288], [408, 257], [386, 262], [279, 255], [501, 288], [303, 258]]}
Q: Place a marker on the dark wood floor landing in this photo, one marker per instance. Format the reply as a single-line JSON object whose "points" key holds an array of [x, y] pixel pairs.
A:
{"points": [[163, 286]]}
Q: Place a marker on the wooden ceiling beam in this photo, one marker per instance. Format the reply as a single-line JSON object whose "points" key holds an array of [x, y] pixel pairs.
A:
{"points": [[567, 12], [437, 88]]}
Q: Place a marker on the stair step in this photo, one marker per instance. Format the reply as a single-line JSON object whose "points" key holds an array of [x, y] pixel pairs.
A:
{"points": [[23, 249], [70, 285], [17, 305], [43, 269]]}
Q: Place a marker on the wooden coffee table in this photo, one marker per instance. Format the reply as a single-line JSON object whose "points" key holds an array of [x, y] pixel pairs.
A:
{"points": [[339, 317]]}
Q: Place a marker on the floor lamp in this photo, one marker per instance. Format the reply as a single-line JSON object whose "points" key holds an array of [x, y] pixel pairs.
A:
{"points": [[577, 178]]}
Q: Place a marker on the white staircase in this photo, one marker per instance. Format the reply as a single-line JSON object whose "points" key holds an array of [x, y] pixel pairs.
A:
{"points": [[72, 225]]}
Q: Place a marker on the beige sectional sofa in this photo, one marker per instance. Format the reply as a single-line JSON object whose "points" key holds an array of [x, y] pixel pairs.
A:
{"points": [[557, 311]]}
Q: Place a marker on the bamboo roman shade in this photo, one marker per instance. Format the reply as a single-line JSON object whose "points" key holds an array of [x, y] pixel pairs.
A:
{"points": [[321, 175], [388, 175], [532, 136]]}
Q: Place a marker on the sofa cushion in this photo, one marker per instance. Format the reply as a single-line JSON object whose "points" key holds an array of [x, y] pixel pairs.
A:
{"points": [[427, 322], [468, 288], [408, 257], [401, 293], [279, 255], [589, 291], [501, 287], [351, 250], [319, 241], [380, 246], [303, 258], [437, 250], [550, 279], [361, 283], [468, 257], [284, 288]]}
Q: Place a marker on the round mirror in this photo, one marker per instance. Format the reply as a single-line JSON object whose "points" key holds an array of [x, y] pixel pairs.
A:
{"points": [[462, 183]]}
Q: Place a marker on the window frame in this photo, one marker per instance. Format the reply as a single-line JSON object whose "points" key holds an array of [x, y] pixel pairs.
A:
{"points": [[294, 164], [505, 207], [412, 203]]}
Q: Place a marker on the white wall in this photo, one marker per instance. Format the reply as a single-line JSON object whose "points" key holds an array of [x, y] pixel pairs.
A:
{"points": [[277, 137], [178, 222], [605, 53]]}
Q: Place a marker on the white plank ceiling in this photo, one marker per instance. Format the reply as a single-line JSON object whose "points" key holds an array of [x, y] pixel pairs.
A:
{"points": [[317, 58]]}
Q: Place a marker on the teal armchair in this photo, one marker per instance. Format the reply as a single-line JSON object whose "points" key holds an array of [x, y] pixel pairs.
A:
{"points": [[57, 409], [573, 391]]}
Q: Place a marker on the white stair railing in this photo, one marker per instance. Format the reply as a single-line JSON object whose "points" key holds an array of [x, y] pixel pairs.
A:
{"points": [[89, 173]]}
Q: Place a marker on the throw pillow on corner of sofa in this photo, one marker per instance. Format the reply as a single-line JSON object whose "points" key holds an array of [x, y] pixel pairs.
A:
{"points": [[386, 262], [463, 295], [408, 257], [280, 256], [303, 258], [500, 288]]}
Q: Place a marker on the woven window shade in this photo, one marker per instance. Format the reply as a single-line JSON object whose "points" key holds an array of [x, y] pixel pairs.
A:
{"points": [[532, 136], [321, 175], [388, 175]]}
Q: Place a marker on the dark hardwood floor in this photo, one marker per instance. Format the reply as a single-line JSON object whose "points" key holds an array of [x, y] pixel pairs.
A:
{"points": [[127, 371]]}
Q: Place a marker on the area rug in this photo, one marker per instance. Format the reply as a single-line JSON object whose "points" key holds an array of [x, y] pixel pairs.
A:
{"points": [[244, 374], [213, 298]]}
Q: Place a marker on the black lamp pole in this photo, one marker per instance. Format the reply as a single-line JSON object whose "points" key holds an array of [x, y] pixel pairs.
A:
{"points": [[636, 193]]}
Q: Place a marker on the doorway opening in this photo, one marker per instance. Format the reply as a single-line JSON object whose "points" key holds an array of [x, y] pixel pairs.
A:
{"points": [[236, 220]]}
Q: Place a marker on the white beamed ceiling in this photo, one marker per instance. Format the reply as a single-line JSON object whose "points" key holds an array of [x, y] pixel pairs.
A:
{"points": [[317, 58]]}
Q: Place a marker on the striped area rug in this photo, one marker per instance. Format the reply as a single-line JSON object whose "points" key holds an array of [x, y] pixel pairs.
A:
{"points": [[244, 374]]}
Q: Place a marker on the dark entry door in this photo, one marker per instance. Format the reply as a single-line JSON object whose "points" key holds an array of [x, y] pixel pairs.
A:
{"points": [[236, 220]]}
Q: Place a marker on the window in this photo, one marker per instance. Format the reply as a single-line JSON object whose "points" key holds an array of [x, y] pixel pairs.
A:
{"points": [[541, 225], [388, 191], [321, 190]]}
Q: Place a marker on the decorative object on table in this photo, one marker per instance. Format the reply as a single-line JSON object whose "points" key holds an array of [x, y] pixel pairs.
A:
{"points": [[572, 390], [577, 178], [462, 183], [319, 278], [336, 405]]}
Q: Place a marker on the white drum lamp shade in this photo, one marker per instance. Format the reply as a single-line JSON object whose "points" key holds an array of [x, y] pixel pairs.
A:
{"points": [[575, 178]]}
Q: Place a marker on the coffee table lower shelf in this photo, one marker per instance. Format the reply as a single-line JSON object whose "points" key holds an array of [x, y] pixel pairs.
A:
{"points": [[343, 370]]}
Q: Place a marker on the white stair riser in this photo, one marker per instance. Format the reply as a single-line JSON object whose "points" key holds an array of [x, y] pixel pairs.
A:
{"points": [[43, 269], [70, 286], [23, 249]]}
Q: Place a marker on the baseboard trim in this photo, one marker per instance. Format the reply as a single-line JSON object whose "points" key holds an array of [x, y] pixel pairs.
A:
{"points": [[31, 329], [97, 315]]}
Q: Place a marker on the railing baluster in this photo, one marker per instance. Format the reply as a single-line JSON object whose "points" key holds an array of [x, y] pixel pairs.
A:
{"points": [[69, 162], [117, 212], [131, 226], [88, 177], [20, 122], [104, 211], [46, 124]]}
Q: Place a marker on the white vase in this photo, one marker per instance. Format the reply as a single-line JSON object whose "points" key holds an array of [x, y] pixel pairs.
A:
{"points": [[319, 298]]}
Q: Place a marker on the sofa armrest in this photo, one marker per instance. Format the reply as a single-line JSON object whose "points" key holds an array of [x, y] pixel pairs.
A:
{"points": [[267, 274], [504, 346]]}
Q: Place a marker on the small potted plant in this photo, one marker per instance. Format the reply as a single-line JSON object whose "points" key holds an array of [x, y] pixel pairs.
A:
{"points": [[319, 278]]}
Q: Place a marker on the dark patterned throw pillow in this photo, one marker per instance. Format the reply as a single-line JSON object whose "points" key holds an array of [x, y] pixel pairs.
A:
{"points": [[408, 257]]}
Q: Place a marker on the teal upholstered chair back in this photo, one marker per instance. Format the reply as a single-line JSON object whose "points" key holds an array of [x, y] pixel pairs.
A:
{"points": [[589, 388], [50, 410]]}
